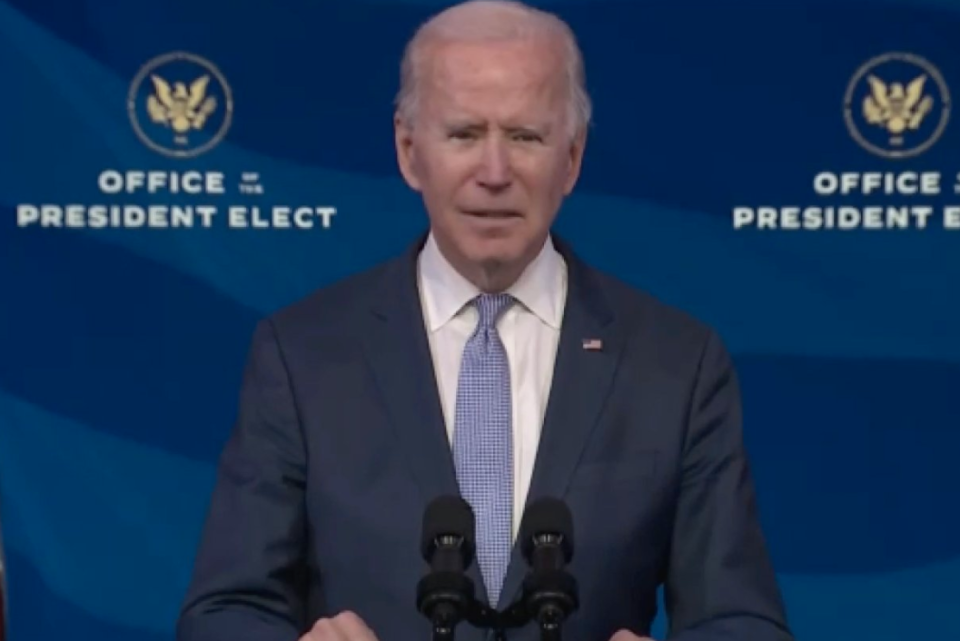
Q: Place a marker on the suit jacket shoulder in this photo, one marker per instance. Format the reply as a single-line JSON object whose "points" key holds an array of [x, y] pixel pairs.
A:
{"points": [[332, 307], [669, 336]]}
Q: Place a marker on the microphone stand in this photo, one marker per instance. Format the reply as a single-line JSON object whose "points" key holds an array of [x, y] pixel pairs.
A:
{"points": [[444, 623], [446, 595], [483, 617], [550, 628]]}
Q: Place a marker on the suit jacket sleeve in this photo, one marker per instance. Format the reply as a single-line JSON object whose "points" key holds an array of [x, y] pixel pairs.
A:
{"points": [[249, 577], [720, 583]]}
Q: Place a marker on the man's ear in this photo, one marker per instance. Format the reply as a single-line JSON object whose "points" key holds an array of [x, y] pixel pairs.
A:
{"points": [[577, 146], [406, 151]]}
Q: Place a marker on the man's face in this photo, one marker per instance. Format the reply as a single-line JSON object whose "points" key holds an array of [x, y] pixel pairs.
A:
{"points": [[490, 149]]}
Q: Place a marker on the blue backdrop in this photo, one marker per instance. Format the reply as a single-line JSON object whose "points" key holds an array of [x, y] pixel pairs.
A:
{"points": [[121, 347]]}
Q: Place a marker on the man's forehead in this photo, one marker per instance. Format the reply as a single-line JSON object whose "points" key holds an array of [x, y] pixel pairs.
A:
{"points": [[458, 78], [466, 61], [462, 102]]}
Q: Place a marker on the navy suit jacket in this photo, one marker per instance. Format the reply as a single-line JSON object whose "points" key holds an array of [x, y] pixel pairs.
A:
{"points": [[340, 445]]}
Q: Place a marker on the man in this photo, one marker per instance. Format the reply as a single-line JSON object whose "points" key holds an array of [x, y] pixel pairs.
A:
{"points": [[488, 360]]}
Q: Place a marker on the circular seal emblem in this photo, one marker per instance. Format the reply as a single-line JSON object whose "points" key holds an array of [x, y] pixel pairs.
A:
{"points": [[897, 105], [180, 105]]}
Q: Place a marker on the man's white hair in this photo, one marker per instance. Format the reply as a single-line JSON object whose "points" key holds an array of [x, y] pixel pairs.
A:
{"points": [[493, 20]]}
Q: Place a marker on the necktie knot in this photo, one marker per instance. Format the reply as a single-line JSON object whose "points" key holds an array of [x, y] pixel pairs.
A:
{"points": [[490, 307]]}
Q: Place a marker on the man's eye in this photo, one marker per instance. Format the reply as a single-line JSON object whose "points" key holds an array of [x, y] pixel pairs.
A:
{"points": [[463, 135]]}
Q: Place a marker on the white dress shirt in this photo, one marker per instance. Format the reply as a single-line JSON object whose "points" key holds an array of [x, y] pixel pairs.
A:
{"points": [[529, 330]]}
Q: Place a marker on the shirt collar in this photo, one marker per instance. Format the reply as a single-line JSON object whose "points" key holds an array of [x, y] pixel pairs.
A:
{"points": [[541, 287]]}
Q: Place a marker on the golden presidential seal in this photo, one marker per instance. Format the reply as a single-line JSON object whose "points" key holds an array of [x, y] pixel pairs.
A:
{"points": [[897, 105], [180, 105]]}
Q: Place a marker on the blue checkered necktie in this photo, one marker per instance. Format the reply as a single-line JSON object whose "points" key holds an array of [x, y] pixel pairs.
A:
{"points": [[483, 441]]}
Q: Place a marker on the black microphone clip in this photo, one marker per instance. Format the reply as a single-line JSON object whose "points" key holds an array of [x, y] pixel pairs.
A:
{"points": [[445, 595], [550, 593]]}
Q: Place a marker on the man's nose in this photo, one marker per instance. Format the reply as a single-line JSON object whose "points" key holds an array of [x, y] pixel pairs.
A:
{"points": [[494, 172]]}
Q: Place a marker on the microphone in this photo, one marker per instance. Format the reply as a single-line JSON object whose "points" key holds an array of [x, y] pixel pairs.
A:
{"points": [[550, 593], [446, 594]]}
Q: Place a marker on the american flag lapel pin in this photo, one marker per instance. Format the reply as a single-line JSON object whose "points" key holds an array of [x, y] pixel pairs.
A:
{"points": [[592, 344]]}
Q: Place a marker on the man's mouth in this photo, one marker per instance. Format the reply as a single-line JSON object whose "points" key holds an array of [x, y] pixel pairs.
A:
{"points": [[492, 213]]}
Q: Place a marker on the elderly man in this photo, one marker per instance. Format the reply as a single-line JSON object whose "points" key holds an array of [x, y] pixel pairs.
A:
{"points": [[488, 362]]}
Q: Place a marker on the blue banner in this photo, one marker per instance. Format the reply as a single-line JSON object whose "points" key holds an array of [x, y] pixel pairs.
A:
{"points": [[170, 172]]}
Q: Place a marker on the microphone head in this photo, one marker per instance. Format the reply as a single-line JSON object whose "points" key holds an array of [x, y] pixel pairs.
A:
{"points": [[448, 516], [547, 517]]}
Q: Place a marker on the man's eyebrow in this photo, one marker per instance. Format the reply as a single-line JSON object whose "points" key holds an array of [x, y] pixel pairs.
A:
{"points": [[467, 124], [543, 128], [463, 123]]}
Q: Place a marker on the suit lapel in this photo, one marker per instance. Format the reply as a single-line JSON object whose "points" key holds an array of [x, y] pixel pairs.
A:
{"points": [[398, 352], [581, 382]]}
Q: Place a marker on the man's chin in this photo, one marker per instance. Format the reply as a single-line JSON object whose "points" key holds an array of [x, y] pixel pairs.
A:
{"points": [[493, 256], [492, 242]]}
